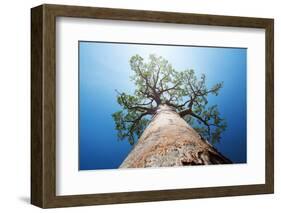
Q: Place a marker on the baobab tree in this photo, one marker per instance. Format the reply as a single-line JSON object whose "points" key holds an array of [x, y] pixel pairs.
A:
{"points": [[168, 119]]}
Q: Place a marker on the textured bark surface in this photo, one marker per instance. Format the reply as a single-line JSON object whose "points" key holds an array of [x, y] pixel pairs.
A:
{"points": [[170, 141]]}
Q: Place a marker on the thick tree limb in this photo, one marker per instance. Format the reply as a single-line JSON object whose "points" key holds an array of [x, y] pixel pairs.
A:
{"points": [[185, 112]]}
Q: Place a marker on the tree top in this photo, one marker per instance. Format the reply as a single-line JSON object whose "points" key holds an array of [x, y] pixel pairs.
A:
{"points": [[157, 83]]}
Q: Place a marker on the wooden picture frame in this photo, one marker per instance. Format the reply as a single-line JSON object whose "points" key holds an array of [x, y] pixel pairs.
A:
{"points": [[43, 105]]}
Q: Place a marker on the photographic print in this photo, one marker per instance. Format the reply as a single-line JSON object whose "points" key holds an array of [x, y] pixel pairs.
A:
{"points": [[161, 105], [138, 96]]}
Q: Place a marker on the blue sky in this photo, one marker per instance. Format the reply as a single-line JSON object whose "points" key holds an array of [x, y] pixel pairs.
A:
{"points": [[104, 67]]}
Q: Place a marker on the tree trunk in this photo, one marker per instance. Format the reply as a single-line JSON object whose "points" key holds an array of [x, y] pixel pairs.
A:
{"points": [[169, 141]]}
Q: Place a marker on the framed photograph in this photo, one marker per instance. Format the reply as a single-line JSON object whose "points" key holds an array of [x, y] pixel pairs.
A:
{"points": [[136, 106]]}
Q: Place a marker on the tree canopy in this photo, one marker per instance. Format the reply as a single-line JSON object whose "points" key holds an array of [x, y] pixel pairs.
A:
{"points": [[157, 82]]}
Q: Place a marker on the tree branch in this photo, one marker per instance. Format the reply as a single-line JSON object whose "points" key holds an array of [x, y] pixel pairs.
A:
{"points": [[170, 103], [135, 122], [161, 81], [185, 112], [145, 78], [182, 105], [203, 121], [157, 77], [155, 95], [199, 118], [171, 88], [138, 107]]}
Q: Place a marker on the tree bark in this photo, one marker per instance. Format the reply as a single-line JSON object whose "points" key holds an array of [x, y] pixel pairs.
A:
{"points": [[169, 141]]}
